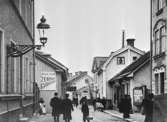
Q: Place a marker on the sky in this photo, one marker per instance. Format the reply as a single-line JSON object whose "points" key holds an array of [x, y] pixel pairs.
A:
{"points": [[83, 29]]}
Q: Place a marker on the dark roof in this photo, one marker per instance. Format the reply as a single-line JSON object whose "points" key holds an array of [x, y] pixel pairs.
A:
{"points": [[98, 61], [132, 67]]}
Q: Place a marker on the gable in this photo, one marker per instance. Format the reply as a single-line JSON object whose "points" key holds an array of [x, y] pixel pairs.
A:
{"points": [[120, 52]]}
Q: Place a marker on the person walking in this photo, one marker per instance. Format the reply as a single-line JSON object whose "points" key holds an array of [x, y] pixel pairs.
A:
{"points": [[85, 111], [67, 108], [55, 103], [148, 104], [126, 106]]}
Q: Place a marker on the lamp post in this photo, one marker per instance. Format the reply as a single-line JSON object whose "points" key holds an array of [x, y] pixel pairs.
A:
{"points": [[18, 50]]}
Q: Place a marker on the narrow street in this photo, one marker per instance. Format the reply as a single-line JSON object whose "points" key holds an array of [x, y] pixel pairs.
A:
{"points": [[77, 117]]}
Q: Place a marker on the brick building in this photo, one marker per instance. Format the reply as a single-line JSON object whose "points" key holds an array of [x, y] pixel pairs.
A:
{"points": [[16, 87]]}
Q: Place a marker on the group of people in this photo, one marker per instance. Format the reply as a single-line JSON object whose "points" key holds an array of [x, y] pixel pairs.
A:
{"points": [[59, 106], [147, 106], [65, 107]]}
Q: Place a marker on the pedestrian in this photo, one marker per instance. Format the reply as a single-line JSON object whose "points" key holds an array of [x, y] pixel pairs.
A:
{"points": [[104, 102], [147, 108], [85, 111], [75, 100], [67, 108], [55, 103], [42, 110], [94, 104], [126, 106], [83, 99]]}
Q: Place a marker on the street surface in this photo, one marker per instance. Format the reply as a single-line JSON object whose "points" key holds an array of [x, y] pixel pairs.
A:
{"points": [[77, 117]]}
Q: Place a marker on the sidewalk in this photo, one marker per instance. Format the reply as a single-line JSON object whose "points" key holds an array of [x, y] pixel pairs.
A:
{"points": [[135, 117]]}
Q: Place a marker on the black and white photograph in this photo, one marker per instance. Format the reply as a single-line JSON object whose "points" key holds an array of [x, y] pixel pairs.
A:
{"points": [[83, 60]]}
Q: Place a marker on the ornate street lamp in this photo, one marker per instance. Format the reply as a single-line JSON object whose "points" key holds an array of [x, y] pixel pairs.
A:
{"points": [[16, 50], [42, 26]]}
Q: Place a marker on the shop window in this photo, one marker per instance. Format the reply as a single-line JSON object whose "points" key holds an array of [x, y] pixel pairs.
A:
{"points": [[120, 60]]}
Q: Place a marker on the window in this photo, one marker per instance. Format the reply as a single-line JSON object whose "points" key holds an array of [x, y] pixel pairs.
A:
{"points": [[162, 39], [162, 87], [120, 60], [157, 46], [11, 84], [159, 37], [156, 84], [161, 4], [134, 58]]}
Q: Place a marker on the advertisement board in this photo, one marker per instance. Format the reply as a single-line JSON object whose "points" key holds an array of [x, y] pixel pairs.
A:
{"points": [[47, 78], [138, 95]]}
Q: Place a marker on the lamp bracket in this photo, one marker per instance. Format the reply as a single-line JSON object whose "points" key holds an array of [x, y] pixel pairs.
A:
{"points": [[19, 50]]}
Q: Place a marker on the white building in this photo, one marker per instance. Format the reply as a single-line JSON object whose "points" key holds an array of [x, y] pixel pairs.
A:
{"points": [[82, 83]]}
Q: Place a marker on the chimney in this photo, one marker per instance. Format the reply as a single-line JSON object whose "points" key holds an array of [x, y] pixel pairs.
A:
{"points": [[130, 42], [123, 38]]}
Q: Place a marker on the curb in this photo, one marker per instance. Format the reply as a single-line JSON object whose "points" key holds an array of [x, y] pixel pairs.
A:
{"points": [[119, 116]]}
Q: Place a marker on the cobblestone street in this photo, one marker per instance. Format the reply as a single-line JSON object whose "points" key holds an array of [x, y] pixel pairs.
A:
{"points": [[77, 117]]}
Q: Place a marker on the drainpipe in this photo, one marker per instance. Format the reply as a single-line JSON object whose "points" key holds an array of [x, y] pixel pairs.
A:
{"points": [[21, 85], [34, 87], [151, 45]]}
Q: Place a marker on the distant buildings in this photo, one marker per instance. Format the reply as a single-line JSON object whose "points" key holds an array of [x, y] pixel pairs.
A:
{"points": [[80, 84], [50, 77]]}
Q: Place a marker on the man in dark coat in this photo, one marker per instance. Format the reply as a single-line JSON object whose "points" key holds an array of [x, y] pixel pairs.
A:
{"points": [[67, 108], [126, 106], [55, 103], [85, 111]]}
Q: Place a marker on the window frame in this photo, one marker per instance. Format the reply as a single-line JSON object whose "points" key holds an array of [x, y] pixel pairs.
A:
{"points": [[159, 37], [121, 58]]}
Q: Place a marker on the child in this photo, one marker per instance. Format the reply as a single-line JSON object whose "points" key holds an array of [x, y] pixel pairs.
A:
{"points": [[42, 110]]}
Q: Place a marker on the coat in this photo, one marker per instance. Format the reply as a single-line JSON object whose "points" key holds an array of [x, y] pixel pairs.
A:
{"points": [[85, 109], [55, 103], [67, 108]]}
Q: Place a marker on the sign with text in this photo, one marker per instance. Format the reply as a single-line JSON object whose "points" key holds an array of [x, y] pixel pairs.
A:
{"points": [[138, 95], [47, 78]]}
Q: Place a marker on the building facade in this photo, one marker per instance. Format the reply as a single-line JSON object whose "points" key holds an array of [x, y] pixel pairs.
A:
{"points": [[16, 74], [116, 62], [134, 80], [51, 76], [98, 75], [159, 52]]}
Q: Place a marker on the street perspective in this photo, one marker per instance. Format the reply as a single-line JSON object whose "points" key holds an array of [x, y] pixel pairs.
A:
{"points": [[83, 60]]}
